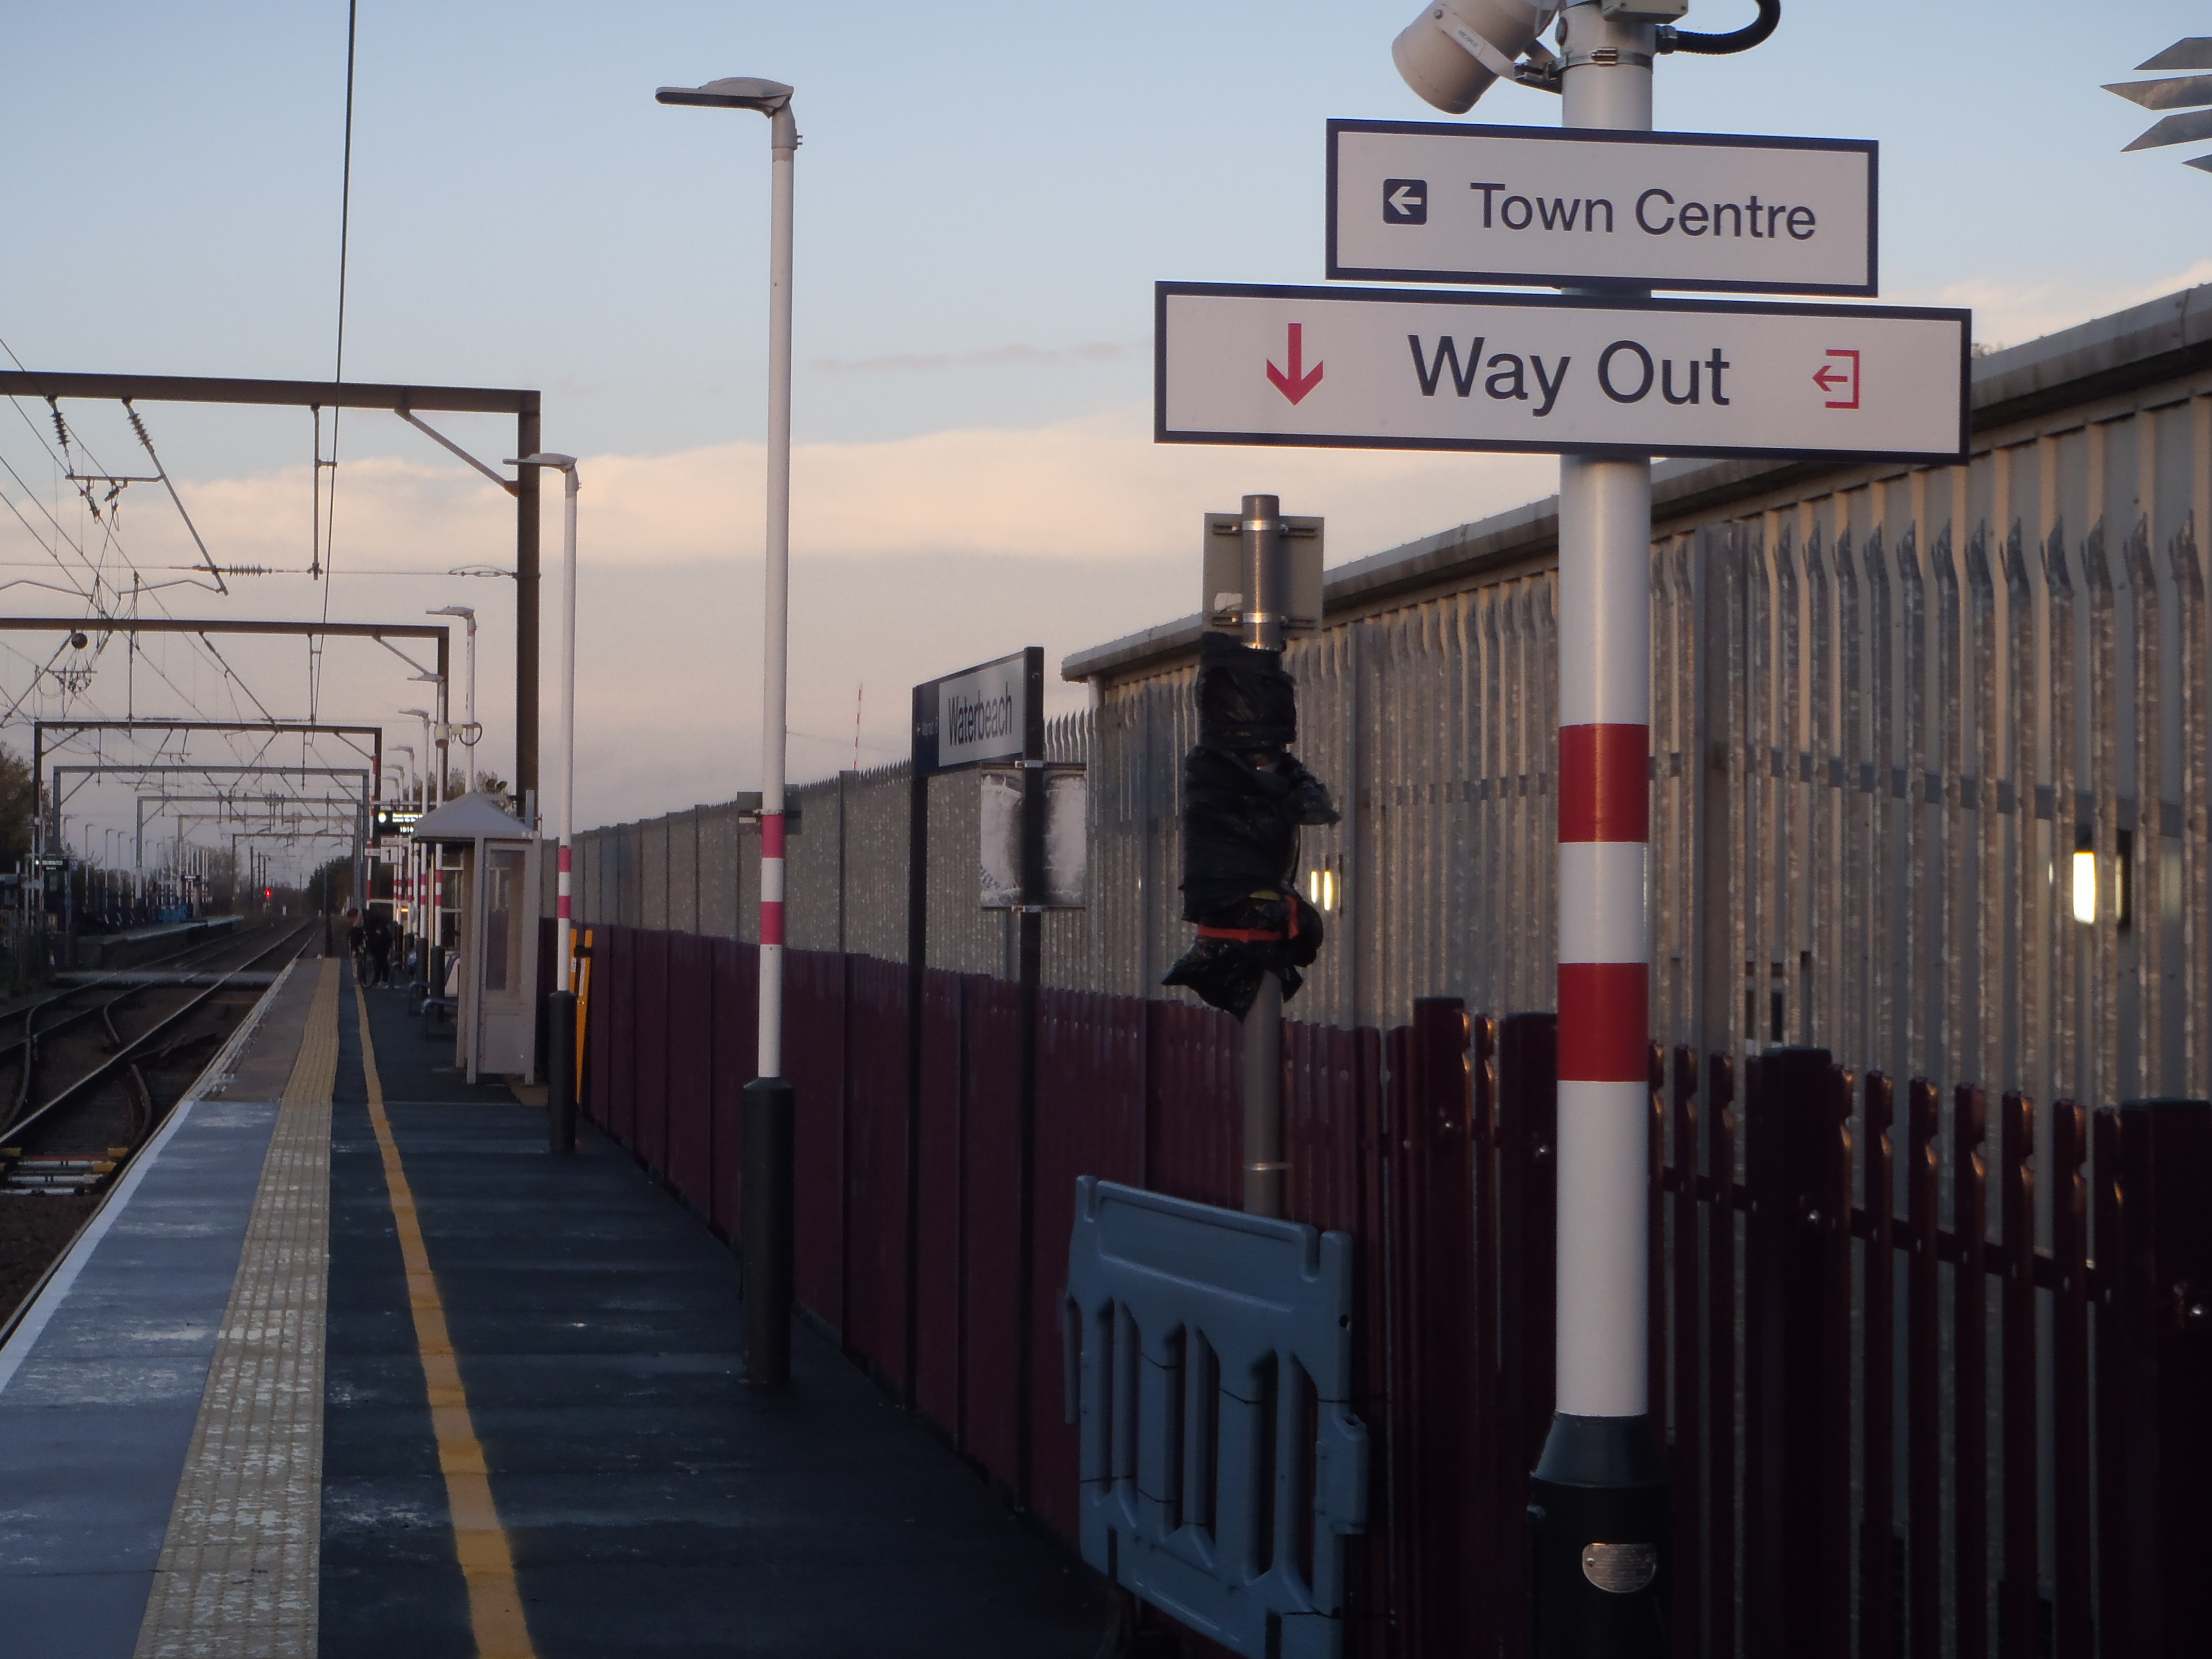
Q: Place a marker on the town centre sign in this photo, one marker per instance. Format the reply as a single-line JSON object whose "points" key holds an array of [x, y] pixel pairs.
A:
{"points": [[1430, 202]]}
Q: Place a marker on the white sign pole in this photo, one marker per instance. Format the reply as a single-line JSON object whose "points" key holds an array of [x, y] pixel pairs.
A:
{"points": [[1602, 1475]]}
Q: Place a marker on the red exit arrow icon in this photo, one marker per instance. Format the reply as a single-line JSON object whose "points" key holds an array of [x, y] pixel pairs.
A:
{"points": [[1830, 378], [1295, 384]]}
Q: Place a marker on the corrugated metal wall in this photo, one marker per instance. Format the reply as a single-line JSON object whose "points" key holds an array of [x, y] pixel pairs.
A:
{"points": [[1886, 703]]}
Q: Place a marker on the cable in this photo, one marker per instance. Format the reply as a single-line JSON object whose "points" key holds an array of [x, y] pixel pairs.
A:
{"points": [[337, 371], [1720, 45]]}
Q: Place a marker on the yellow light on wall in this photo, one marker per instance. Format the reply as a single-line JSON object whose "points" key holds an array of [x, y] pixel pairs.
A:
{"points": [[1320, 890], [2085, 881]]}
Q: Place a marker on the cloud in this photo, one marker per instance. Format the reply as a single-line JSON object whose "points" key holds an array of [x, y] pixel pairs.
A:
{"points": [[912, 557], [1093, 491], [2007, 312], [1093, 351]]}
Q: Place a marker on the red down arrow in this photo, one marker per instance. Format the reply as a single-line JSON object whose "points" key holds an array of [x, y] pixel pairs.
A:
{"points": [[1295, 384]]}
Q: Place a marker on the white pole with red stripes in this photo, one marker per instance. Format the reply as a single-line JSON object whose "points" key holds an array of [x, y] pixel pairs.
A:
{"points": [[769, 1110], [1599, 1496]]}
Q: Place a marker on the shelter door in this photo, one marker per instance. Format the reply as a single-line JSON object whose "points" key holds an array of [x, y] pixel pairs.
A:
{"points": [[506, 1011]]}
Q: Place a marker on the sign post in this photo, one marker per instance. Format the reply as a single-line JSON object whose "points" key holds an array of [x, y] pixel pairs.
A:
{"points": [[1599, 1496], [1605, 377], [993, 711]]}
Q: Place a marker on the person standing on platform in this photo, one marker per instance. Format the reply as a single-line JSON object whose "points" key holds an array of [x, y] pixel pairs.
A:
{"points": [[380, 948]]}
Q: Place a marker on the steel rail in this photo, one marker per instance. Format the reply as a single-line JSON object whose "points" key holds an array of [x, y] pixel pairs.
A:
{"points": [[30, 1011], [137, 1045]]}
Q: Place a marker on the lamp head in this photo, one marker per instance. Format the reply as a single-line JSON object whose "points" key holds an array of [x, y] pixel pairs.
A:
{"points": [[544, 458], [732, 91], [1455, 48], [467, 613]]}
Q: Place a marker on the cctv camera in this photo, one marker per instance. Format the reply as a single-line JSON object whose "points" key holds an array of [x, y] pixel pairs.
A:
{"points": [[1456, 48]]}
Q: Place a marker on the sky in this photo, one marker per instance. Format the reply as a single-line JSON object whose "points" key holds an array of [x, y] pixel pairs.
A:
{"points": [[985, 193]]}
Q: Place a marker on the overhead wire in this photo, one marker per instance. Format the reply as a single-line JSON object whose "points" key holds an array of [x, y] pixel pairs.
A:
{"points": [[338, 368]]}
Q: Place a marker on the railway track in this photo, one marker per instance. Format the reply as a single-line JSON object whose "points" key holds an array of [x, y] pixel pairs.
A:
{"points": [[79, 1056], [88, 1071]]}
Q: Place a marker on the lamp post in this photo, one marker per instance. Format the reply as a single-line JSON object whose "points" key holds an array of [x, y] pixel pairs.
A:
{"points": [[433, 895], [769, 1103], [470, 731], [561, 1095], [407, 896]]}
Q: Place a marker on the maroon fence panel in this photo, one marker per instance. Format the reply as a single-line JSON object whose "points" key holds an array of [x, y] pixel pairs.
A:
{"points": [[2112, 1629], [648, 951], [1923, 1372], [2016, 1592], [691, 1070], [1434, 1444], [814, 1052], [1194, 1057], [2155, 1522], [736, 1002], [1877, 1372], [1970, 1430], [1336, 1134], [1684, 1331], [1492, 1523], [991, 1023], [875, 1183], [1797, 1409], [1529, 1114], [1434, 1148], [1722, 1304], [2072, 1632], [1655, 1251], [938, 1382], [599, 1022], [622, 1009], [1090, 1120]]}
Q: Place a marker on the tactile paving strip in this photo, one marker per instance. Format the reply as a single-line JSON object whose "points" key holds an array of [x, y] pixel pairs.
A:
{"points": [[237, 1575]]}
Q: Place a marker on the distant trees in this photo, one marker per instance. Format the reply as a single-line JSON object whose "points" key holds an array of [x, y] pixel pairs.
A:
{"points": [[331, 887], [18, 807]]}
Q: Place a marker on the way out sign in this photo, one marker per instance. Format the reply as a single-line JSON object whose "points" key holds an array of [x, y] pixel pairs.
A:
{"points": [[1427, 202], [1380, 369]]}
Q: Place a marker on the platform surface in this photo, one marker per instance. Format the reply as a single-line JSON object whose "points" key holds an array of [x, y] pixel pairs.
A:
{"points": [[533, 1436]]}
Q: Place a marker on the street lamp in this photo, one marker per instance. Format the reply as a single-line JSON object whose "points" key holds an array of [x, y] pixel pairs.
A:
{"points": [[561, 1095], [470, 731], [565, 814], [769, 1103], [429, 921]]}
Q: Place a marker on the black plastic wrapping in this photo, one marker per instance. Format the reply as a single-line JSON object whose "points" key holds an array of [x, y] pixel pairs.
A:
{"points": [[1245, 796]]}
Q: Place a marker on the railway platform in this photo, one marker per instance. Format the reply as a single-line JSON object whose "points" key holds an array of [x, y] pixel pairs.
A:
{"points": [[348, 1364]]}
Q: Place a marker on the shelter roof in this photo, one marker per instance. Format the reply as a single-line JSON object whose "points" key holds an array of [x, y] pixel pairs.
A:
{"points": [[472, 816]]}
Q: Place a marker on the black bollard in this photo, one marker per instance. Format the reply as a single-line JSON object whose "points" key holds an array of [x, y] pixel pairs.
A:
{"points": [[766, 1230], [1598, 1510], [561, 1072]]}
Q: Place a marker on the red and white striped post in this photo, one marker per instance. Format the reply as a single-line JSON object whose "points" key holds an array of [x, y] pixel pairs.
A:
{"points": [[770, 1111], [1599, 1496]]}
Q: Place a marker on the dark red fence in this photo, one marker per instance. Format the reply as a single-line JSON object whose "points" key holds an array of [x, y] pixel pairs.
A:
{"points": [[1806, 1274]]}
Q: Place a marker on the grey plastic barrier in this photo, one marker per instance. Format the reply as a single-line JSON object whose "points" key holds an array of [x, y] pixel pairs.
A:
{"points": [[1222, 1467]]}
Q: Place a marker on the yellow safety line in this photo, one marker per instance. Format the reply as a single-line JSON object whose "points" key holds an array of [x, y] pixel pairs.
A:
{"points": [[487, 1562]]}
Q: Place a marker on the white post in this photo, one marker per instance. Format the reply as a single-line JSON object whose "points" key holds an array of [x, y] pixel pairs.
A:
{"points": [[783, 142], [563, 945], [1599, 1496], [1605, 718]]}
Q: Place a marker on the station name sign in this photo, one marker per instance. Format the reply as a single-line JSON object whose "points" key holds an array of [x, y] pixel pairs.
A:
{"points": [[979, 715], [1431, 202], [1384, 368]]}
